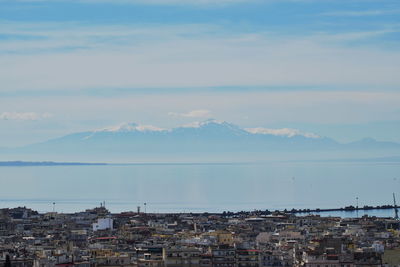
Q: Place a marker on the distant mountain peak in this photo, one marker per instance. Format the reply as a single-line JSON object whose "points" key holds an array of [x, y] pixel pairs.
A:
{"points": [[127, 128], [131, 127], [212, 127], [123, 127], [199, 124], [286, 132], [210, 124], [209, 136]]}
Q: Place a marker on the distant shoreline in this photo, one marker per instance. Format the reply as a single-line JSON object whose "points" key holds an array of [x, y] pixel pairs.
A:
{"points": [[53, 163], [45, 163], [345, 209], [22, 163], [255, 213]]}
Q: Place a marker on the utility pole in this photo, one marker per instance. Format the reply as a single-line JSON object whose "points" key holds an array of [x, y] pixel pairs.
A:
{"points": [[357, 206], [396, 211]]}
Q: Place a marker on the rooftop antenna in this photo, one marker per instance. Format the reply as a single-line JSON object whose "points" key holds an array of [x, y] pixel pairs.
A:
{"points": [[396, 211], [54, 207], [145, 208]]}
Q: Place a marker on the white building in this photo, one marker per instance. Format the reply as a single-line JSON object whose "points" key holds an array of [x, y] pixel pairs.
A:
{"points": [[103, 224]]}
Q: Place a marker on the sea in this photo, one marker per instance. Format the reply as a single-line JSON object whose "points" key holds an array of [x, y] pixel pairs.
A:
{"points": [[183, 188]]}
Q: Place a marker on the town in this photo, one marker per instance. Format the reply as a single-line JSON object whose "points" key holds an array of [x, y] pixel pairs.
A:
{"points": [[97, 237]]}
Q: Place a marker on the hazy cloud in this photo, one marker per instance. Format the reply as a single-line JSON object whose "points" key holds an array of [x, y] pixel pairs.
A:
{"points": [[154, 2], [200, 113], [360, 13], [24, 116], [74, 57]]}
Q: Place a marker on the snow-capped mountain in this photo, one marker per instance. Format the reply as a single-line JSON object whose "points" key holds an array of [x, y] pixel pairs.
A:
{"points": [[131, 127], [211, 137]]}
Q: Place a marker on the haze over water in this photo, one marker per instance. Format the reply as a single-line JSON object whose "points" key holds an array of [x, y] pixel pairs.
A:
{"points": [[202, 188]]}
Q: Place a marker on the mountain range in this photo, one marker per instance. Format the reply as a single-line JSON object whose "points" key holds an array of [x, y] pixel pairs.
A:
{"points": [[209, 137]]}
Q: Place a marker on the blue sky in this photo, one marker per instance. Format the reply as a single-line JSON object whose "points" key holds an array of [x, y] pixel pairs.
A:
{"points": [[328, 66]]}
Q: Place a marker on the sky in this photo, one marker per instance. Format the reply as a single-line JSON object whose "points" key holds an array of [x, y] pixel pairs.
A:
{"points": [[329, 67]]}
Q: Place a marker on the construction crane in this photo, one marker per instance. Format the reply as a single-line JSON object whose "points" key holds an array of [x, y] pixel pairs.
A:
{"points": [[396, 211]]}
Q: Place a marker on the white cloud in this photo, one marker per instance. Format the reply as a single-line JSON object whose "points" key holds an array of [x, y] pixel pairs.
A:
{"points": [[155, 2], [24, 116], [353, 36], [199, 113], [288, 132], [173, 2], [77, 57], [262, 107], [361, 13]]}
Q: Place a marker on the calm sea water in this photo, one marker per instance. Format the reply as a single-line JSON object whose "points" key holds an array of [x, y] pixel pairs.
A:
{"points": [[198, 188]]}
